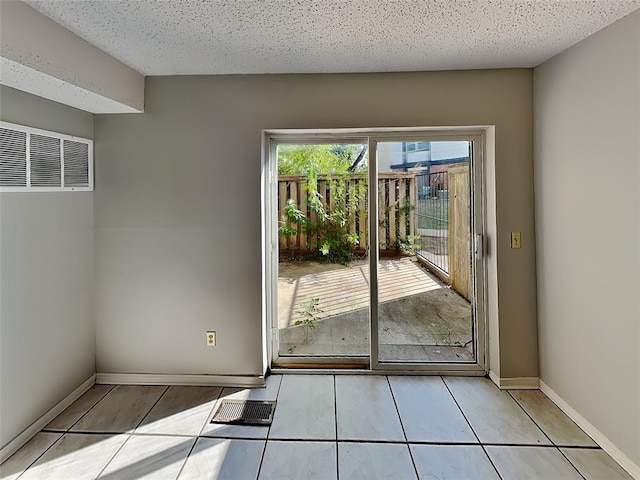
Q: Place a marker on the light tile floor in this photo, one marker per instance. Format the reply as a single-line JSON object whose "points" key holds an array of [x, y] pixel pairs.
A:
{"points": [[325, 427]]}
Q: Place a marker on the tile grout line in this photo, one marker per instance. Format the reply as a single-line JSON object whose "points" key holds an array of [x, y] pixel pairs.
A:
{"points": [[210, 414], [63, 432], [134, 434], [395, 404], [296, 440], [335, 420], [241, 437], [195, 440], [37, 458], [95, 432], [325, 440], [531, 418], [460, 408], [266, 440], [570, 462], [545, 434], [471, 427], [68, 430], [355, 440], [129, 434], [592, 447], [581, 447], [114, 455], [198, 437], [152, 407]]}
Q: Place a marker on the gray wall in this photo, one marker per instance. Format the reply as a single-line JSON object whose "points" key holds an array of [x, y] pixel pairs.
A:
{"points": [[177, 205], [47, 331], [587, 171]]}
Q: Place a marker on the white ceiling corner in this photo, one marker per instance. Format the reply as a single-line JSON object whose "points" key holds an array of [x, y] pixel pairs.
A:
{"points": [[304, 36]]}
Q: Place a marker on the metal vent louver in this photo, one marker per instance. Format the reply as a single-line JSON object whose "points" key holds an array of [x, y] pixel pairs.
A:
{"points": [[46, 168], [13, 158], [76, 164], [38, 160]]}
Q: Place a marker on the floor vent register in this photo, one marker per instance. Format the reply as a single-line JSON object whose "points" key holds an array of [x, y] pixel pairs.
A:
{"points": [[245, 412]]}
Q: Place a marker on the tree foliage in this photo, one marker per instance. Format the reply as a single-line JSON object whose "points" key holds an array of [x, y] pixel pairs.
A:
{"points": [[314, 159], [331, 225]]}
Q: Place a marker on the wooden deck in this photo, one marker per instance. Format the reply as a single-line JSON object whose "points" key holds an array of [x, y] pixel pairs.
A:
{"points": [[346, 289]]}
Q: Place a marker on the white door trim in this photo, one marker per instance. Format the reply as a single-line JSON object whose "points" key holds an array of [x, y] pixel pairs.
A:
{"points": [[271, 137]]}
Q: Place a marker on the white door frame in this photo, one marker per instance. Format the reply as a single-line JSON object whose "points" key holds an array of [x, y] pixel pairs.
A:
{"points": [[270, 140]]}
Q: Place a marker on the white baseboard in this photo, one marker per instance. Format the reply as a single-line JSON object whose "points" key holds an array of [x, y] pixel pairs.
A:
{"points": [[516, 383], [165, 379], [606, 444], [15, 444]]}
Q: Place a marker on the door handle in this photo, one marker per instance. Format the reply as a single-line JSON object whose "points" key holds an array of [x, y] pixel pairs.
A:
{"points": [[479, 246]]}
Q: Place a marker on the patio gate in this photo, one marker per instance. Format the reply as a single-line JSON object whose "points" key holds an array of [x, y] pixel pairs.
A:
{"points": [[432, 211], [443, 213]]}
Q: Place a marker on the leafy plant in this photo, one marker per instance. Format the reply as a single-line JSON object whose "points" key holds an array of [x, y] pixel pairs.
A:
{"points": [[310, 315], [442, 331], [331, 224], [409, 246]]}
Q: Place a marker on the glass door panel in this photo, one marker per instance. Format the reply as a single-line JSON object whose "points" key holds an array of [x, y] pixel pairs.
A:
{"points": [[425, 274], [323, 289]]}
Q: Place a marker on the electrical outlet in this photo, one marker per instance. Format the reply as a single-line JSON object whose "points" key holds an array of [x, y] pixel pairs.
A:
{"points": [[515, 240], [211, 339]]}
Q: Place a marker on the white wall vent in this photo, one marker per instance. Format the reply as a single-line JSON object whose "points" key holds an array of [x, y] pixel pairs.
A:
{"points": [[38, 160]]}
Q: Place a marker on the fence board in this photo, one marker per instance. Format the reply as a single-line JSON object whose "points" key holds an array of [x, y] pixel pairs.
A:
{"points": [[402, 200], [322, 190], [302, 191], [313, 238], [393, 184], [362, 220], [393, 196], [293, 241], [382, 212], [413, 198], [459, 231], [282, 200], [352, 195]]}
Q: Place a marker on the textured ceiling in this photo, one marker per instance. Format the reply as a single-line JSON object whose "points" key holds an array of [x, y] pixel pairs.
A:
{"points": [[303, 36]]}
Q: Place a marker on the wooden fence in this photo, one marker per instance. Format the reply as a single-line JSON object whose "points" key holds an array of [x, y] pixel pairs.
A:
{"points": [[397, 195], [460, 231], [397, 200]]}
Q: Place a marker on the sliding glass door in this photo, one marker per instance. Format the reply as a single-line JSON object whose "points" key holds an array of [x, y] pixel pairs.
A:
{"points": [[374, 250]]}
